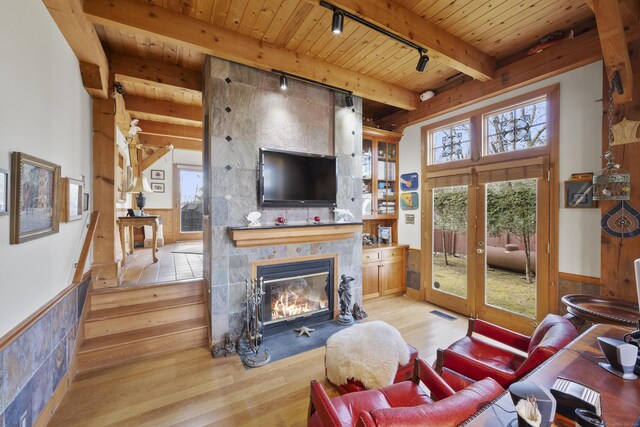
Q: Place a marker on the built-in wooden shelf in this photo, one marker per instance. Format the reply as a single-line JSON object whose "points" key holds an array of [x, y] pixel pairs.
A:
{"points": [[244, 237]]}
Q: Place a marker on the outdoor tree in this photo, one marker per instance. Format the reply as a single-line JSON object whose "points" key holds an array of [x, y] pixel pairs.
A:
{"points": [[511, 208], [450, 213]]}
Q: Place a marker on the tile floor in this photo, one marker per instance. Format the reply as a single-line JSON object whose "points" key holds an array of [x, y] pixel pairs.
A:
{"points": [[175, 262]]}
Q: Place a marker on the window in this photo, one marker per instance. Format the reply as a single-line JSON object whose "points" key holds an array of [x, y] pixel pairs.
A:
{"points": [[516, 128], [450, 143]]}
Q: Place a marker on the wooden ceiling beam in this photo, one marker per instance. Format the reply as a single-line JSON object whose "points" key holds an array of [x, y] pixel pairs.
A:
{"points": [[170, 129], [566, 56], [136, 104], [447, 48], [178, 143], [154, 21], [155, 73], [84, 41], [157, 155], [614, 45]]}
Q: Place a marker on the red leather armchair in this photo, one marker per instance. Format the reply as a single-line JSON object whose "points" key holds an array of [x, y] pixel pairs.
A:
{"points": [[402, 404], [473, 358]]}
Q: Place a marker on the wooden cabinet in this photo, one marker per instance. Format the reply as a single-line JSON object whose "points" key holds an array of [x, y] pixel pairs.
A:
{"points": [[383, 270], [380, 150]]}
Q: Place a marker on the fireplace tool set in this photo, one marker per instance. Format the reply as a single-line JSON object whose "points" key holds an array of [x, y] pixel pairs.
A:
{"points": [[251, 340]]}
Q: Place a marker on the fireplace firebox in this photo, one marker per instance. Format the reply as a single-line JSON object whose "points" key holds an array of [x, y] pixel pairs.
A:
{"points": [[296, 293]]}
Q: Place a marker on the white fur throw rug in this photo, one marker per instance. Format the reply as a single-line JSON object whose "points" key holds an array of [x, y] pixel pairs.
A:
{"points": [[369, 352]]}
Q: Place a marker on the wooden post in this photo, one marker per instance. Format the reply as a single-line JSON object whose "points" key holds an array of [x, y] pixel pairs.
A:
{"points": [[105, 156], [617, 254]]}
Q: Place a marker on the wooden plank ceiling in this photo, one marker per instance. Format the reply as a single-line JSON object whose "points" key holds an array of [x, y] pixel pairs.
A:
{"points": [[497, 28]]}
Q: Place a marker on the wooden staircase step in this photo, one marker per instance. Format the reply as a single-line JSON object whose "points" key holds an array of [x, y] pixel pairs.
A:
{"points": [[138, 335], [112, 298], [100, 358], [154, 315], [128, 310]]}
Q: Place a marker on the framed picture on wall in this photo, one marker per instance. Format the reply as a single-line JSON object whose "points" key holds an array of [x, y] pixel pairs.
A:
{"points": [[34, 198], [72, 199], [157, 174], [157, 187], [578, 191], [4, 192], [85, 202]]}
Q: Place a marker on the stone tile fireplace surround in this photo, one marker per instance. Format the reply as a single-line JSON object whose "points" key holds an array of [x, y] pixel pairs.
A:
{"points": [[247, 110]]}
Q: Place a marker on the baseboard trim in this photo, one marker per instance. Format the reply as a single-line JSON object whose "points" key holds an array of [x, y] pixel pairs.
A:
{"points": [[50, 408], [578, 278], [10, 336]]}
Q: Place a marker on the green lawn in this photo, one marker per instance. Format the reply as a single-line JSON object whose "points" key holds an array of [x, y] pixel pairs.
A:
{"points": [[505, 289]]}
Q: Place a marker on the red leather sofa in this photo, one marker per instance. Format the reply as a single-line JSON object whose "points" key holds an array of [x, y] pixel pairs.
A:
{"points": [[405, 372], [473, 358], [402, 404]]}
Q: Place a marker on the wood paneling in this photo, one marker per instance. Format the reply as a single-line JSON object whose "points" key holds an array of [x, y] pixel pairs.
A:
{"points": [[168, 220], [249, 237]]}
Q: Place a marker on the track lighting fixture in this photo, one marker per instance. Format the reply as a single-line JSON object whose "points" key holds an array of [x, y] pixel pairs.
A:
{"points": [[423, 61], [337, 22], [348, 100], [283, 82]]}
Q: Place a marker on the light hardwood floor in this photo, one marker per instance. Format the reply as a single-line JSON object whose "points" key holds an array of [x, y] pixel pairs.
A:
{"points": [[189, 388]]}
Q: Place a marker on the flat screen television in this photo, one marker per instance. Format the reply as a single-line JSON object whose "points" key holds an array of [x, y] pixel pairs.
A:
{"points": [[289, 179]]}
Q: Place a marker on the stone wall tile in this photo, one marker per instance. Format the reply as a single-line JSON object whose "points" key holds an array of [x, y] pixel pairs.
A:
{"points": [[19, 406], [220, 96], [219, 211], [63, 316], [220, 300], [239, 73], [217, 68], [237, 296], [2, 375], [41, 387]]}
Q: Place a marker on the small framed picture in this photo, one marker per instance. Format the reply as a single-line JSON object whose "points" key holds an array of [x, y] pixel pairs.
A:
{"points": [[578, 192], [85, 202], [72, 208], [157, 174], [4, 192], [157, 187], [384, 234]]}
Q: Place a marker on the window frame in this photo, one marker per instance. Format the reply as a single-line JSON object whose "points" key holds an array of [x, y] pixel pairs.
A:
{"points": [[430, 136]]}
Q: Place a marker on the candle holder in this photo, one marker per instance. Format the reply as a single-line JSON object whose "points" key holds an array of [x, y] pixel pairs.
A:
{"points": [[254, 328]]}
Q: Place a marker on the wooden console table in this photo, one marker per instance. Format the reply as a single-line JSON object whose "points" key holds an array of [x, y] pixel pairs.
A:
{"points": [[620, 398], [132, 222]]}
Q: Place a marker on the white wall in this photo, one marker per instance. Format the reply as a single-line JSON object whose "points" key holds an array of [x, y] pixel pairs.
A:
{"points": [[580, 149], [180, 157], [44, 112]]}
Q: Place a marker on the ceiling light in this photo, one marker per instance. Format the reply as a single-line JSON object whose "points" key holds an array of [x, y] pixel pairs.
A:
{"points": [[423, 61], [283, 82], [348, 100], [337, 22]]}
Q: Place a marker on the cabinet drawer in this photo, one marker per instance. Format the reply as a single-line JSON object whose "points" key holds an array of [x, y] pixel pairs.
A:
{"points": [[392, 253], [370, 256]]}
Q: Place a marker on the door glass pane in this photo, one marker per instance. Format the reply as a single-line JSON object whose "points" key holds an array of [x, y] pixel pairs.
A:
{"points": [[367, 178], [450, 240], [510, 255], [191, 193]]}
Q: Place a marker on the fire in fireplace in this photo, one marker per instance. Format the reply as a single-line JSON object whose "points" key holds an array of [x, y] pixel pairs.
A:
{"points": [[297, 293]]}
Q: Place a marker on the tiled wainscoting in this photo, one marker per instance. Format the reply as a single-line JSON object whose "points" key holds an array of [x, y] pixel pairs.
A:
{"points": [[35, 362]]}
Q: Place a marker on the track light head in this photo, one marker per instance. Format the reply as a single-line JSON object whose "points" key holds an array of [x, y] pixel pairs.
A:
{"points": [[348, 100], [338, 22], [423, 61], [283, 82]]}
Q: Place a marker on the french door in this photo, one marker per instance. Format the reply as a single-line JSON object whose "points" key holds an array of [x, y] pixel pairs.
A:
{"points": [[487, 242], [188, 193]]}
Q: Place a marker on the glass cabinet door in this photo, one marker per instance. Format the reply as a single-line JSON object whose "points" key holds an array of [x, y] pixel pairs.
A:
{"points": [[367, 178]]}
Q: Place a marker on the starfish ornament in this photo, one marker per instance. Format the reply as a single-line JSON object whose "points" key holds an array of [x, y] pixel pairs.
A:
{"points": [[304, 331]]}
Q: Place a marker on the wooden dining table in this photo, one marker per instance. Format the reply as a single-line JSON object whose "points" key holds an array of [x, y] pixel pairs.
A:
{"points": [[620, 399]]}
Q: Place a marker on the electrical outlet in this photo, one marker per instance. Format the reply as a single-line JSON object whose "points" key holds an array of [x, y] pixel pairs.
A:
{"points": [[23, 420]]}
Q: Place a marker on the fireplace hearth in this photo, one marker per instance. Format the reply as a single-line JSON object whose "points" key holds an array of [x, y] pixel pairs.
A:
{"points": [[297, 293]]}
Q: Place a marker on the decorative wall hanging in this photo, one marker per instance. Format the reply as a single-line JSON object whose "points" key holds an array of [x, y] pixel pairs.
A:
{"points": [[72, 199], [34, 198], [409, 201], [611, 183], [622, 220], [157, 174], [409, 181], [625, 132]]}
